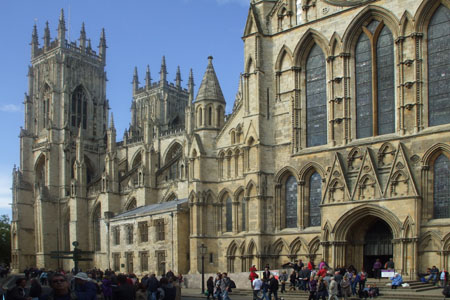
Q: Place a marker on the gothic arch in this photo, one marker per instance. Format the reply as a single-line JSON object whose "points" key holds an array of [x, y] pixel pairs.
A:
{"points": [[170, 197], [369, 13], [210, 197], [137, 157], [409, 227], [250, 189], [446, 242], [285, 172], [192, 196], [172, 145], [345, 222], [278, 245], [283, 54], [232, 248], [238, 192], [314, 245], [223, 193], [406, 24], [305, 44], [252, 249], [335, 44], [130, 204], [433, 152], [326, 231], [250, 65], [425, 11], [430, 236], [309, 169], [296, 246]]}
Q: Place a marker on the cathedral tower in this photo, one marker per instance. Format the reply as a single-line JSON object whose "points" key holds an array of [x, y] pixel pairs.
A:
{"points": [[62, 143]]}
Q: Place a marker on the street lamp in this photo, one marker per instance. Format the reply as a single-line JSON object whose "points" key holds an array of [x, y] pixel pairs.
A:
{"points": [[203, 250]]}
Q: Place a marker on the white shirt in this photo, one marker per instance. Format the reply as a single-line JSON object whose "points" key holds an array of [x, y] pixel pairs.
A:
{"points": [[257, 283]]}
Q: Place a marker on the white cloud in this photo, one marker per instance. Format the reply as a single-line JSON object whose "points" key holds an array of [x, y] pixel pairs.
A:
{"points": [[10, 108]]}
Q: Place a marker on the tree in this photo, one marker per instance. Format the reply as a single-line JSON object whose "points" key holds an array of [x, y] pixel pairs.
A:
{"points": [[5, 239]]}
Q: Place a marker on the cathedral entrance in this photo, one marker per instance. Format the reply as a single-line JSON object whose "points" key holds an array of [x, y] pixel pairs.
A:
{"points": [[377, 245], [367, 239]]}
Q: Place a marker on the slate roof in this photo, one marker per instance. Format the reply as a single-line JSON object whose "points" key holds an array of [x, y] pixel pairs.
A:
{"points": [[210, 87], [150, 209]]}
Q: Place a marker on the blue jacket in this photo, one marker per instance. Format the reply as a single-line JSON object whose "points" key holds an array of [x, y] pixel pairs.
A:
{"points": [[397, 280]]}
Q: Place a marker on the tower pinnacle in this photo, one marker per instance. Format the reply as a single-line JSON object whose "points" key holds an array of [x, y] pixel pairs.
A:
{"points": [[191, 86], [46, 36], [34, 41], [82, 37], [61, 29], [135, 80], [148, 78], [163, 72], [102, 45], [178, 78]]}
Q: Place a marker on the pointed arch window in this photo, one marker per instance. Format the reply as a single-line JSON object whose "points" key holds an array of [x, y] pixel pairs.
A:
{"points": [[291, 202], [78, 108], [229, 215], [244, 214], [441, 187], [315, 195], [316, 98], [97, 218], [375, 79], [439, 67]]}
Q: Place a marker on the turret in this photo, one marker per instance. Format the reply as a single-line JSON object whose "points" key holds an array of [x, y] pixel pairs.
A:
{"points": [[46, 36], [210, 103], [102, 46], [61, 29], [82, 38], [163, 72], [148, 78], [178, 78], [34, 42], [135, 80]]}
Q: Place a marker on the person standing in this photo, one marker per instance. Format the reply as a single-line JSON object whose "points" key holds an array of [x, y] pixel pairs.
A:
{"points": [[152, 287], [85, 289], [283, 279], [257, 284], [377, 269], [443, 277], [390, 264], [60, 289], [273, 287], [225, 286], [333, 289], [313, 288], [346, 288], [210, 287], [19, 292]]}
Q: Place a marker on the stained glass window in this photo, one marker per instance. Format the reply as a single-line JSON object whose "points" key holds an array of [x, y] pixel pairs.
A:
{"points": [[316, 98], [439, 67], [441, 195], [78, 109], [386, 80], [291, 202], [363, 70], [229, 215], [315, 196]]}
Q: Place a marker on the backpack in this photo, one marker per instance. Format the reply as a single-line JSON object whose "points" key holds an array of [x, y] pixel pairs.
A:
{"points": [[232, 284]]}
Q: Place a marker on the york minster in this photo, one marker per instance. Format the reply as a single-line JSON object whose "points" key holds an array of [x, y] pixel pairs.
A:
{"points": [[337, 147]]}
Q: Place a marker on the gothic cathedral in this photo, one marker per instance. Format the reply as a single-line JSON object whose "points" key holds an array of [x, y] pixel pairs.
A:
{"points": [[337, 147]]}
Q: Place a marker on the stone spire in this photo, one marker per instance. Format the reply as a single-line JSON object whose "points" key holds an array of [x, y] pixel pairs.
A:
{"points": [[82, 37], [34, 41], [102, 46], [111, 135], [178, 78], [46, 36], [148, 78], [62, 29], [135, 80], [210, 88], [163, 72], [191, 86]]}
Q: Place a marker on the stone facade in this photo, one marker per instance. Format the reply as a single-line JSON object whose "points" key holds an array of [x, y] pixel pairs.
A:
{"points": [[337, 148]]}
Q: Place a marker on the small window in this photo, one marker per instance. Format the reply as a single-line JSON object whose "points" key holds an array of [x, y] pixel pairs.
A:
{"points": [[160, 233], [143, 231], [130, 234], [144, 261], [211, 258]]}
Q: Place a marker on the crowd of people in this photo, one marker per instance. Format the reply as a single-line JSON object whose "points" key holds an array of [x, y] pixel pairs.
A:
{"points": [[92, 285], [320, 282]]}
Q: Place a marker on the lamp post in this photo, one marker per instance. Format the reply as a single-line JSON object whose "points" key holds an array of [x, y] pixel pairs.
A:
{"points": [[203, 250]]}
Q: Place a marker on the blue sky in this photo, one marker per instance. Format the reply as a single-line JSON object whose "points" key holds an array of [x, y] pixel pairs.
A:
{"points": [[138, 32]]}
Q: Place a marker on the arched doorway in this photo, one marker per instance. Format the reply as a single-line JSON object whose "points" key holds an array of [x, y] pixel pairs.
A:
{"points": [[368, 239], [377, 244]]}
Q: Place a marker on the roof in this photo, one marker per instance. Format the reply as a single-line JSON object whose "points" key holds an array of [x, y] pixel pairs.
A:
{"points": [[151, 209], [210, 87]]}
